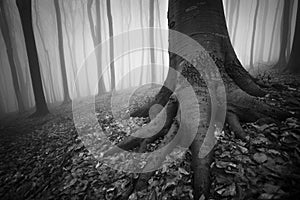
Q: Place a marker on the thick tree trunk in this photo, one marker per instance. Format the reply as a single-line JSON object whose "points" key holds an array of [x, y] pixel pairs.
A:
{"points": [[61, 52], [111, 44], [10, 54], [294, 61], [204, 22], [24, 7]]}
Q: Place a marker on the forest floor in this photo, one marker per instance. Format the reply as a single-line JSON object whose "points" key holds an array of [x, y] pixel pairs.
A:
{"points": [[44, 158]]}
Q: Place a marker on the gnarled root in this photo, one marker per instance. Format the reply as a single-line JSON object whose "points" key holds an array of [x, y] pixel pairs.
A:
{"points": [[241, 108]]}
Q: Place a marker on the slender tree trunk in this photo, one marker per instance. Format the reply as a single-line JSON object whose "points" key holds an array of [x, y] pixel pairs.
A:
{"points": [[294, 61], [111, 43], [61, 52], [233, 8], [84, 48], [273, 30], [236, 22], [9, 50], [95, 30], [152, 52], [160, 36], [47, 56], [128, 42], [143, 40], [72, 58], [288, 47], [263, 31], [253, 35], [24, 7], [284, 35]]}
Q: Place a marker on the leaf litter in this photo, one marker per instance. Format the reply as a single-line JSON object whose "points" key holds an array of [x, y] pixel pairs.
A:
{"points": [[45, 159]]}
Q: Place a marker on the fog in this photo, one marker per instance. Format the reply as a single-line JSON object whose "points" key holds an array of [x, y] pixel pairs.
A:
{"points": [[255, 49]]}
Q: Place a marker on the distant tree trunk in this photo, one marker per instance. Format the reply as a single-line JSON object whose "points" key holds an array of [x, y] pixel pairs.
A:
{"points": [[111, 48], [263, 31], [128, 41], [288, 47], [236, 22], [122, 69], [253, 35], [96, 37], [61, 52], [24, 7], [52, 96], [84, 46], [74, 46], [294, 61], [143, 40], [70, 45], [273, 30], [230, 15], [161, 37], [152, 53], [281, 63], [10, 54]]}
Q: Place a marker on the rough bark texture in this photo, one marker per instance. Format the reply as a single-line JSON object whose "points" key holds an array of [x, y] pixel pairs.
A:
{"points": [[24, 7], [61, 52], [10, 54], [204, 21]]}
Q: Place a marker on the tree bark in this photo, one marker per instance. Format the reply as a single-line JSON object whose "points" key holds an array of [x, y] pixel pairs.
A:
{"points": [[66, 93], [204, 21], [111, 44], [10, 54], [24, 7]]}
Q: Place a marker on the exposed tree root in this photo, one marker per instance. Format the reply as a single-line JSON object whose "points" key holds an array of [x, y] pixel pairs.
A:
{"points": [[152, 131], [161, 98], [241, 108]]}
